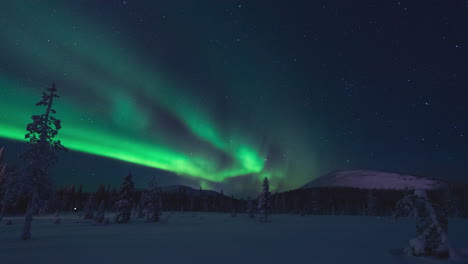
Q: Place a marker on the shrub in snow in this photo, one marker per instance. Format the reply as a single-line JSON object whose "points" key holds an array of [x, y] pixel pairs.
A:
{"points": [[124, 204], [153, 204], [264, 201], [57, 220], [431, 226], [99, 217]]}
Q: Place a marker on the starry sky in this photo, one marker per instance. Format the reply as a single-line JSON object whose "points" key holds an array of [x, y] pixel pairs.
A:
{"points": [[219, 94]]}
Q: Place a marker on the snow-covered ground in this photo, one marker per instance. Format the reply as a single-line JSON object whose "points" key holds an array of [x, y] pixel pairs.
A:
{"points": [[219, 238]]}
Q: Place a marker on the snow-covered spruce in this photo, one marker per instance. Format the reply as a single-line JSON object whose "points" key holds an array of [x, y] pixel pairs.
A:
{"points": [[10, 187], [2, 182], [99, 216], [264, 201], [125, 203], [89, 208], [465, 201], [152, 201], [34, 183], [431, 225]]}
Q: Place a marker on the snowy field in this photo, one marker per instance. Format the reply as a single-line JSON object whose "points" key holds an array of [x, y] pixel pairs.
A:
{"points": [[219, 238]]}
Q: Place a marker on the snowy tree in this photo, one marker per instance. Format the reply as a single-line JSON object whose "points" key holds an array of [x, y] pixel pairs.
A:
{"points": [[10, 186], [315, 202], [431, 225], [465, 201], [372, 203], [124, 204], [141, 210], [57, 219], [153, 204], [3, 176], [233, 212], [250, 208], [264, 201], [99, 217], [89, 208], [35, 183]]}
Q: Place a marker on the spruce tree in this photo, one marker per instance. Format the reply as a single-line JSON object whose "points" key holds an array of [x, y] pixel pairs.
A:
{"points": [[35, 183], [264, 201], [153, 204], [124, 203]]}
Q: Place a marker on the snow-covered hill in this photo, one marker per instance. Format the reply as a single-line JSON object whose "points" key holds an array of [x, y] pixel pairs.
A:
{"points": [[365, 179]]}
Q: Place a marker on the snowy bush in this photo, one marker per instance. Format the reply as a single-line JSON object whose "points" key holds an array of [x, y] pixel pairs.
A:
{"points": [[431, 226]]}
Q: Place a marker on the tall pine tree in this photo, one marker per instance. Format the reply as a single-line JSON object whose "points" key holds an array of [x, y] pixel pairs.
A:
{"points": [[124, 205], [153, 202], [264, 201], [35, 183]]}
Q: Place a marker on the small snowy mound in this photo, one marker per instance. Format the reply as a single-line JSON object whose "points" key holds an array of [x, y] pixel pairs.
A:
{"points": [[364, 179]]}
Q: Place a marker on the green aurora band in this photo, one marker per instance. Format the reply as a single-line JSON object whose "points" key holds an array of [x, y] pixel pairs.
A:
{"points": [[107, 93]]}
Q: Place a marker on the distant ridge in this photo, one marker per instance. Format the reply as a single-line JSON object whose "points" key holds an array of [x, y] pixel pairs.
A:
{"points": [[188, 190], [367, 179]]}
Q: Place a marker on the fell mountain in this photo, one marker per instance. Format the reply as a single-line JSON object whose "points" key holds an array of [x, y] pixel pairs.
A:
{"points": [[367, 179]]}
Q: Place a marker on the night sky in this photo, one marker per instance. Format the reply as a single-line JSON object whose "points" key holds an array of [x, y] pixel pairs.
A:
{"points": [[220, 94]]}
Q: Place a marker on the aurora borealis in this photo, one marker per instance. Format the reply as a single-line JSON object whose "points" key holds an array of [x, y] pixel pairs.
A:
{"points": [[233, 90]]}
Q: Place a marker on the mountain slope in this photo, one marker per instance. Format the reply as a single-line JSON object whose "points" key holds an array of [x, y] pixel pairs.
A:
{"points": [[365, 179]]}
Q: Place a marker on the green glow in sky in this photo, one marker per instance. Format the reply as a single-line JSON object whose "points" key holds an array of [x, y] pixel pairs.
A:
{"points": [[99, 108], [119, 100]]}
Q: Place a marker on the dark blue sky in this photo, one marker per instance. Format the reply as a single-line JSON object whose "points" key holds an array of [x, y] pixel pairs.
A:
{"points": [[341, 84]]}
